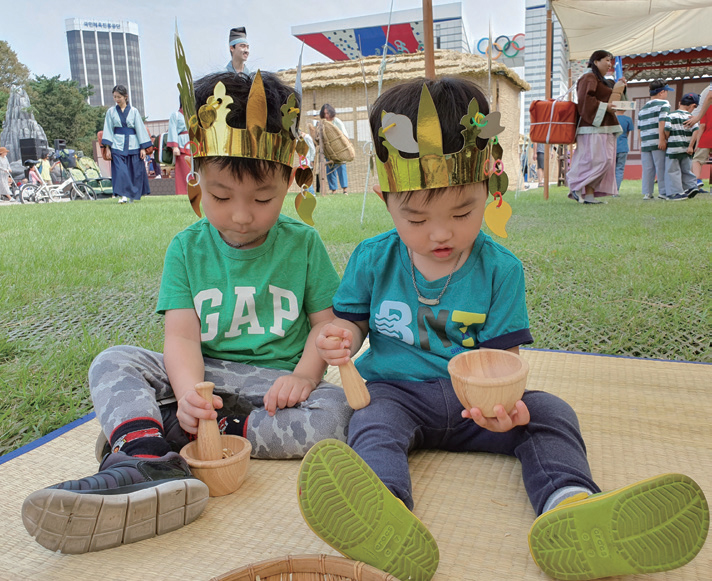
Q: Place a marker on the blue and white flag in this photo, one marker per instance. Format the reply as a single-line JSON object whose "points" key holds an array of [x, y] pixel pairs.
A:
{"points": [[618, 68]]}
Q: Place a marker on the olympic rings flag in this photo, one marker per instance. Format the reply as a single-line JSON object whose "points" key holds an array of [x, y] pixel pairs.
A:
{"points": [[502, 45]]}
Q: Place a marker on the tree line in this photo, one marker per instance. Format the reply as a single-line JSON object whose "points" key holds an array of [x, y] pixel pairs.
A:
{"points": [[59, 106]]}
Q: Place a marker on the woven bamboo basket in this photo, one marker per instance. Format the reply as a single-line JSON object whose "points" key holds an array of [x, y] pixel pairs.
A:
{"points": [[306, 568]]}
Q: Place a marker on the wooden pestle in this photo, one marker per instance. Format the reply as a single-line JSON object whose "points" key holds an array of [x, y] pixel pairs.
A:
{"points": [[354, 387], [209, 444]]}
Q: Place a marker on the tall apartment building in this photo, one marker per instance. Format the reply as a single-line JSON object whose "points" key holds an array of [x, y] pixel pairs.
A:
{"points": [[105, 53], [535, 56]]}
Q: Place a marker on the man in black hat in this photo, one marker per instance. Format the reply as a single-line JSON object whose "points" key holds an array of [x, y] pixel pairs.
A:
{"points": [[239, 49]]}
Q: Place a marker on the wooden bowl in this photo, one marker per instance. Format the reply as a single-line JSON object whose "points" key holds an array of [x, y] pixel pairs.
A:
{"points": [[484, 378], [222, 476]]}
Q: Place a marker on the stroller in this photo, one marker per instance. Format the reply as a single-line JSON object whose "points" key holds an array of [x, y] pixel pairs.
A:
{"points": [[14, 186], [102, 186]]}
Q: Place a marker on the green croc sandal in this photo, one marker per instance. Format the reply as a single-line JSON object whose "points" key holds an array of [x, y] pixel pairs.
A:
{"points": [[653, 525], [347, 506]]}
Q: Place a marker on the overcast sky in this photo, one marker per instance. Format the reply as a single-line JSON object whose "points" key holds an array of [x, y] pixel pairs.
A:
{"points": [[35, 30]]}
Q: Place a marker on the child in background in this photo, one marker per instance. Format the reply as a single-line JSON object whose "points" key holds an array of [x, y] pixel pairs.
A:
{"points": [[244, 292], [651, 123], [31, 174], [434, 287], [45, 167], [680, 182], [622, 147]]}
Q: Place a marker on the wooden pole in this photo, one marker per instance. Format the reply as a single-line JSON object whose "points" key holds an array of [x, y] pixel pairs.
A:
{"points": [[428, 45], [568, 149], [547, 89]]}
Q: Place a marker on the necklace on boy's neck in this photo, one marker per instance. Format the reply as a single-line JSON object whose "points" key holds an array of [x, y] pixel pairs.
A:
{"points": [[233, 245], [426, 300]]}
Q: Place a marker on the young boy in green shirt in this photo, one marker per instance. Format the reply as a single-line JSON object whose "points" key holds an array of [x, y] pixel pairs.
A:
{"points": [[244, 292]]}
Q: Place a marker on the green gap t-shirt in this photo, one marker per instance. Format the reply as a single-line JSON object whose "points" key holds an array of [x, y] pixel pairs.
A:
{"points": [[252, 304]]}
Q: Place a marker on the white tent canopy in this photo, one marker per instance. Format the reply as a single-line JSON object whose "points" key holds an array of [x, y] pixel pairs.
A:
{"points": [[625, 27]]}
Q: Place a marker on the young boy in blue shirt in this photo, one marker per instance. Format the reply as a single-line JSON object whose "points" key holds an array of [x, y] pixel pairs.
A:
{"points": [[244, 292], [433, 287]]}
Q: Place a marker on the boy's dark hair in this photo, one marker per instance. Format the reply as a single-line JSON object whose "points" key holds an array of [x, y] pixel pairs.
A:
{"points": [[657, 86], [238, 88], [451, 96], [690, 99]]}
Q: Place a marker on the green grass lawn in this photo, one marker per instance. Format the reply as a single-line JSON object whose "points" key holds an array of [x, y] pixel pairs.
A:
{"points": [[626, 278]]}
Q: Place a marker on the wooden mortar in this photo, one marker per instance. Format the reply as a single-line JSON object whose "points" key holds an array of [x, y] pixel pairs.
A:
{"points": [[219, 460], [484, 378]]}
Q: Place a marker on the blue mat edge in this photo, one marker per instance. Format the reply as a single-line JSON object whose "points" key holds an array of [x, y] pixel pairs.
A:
{"points": [[47, 438], [90, 416]]}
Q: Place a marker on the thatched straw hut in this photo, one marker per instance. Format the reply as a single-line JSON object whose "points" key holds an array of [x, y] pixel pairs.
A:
{"points": [[341, 84]]}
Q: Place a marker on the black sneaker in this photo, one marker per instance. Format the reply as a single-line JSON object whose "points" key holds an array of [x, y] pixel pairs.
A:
{"points": [[692, 192], [174, 434], [128, 500], [678, 197]]}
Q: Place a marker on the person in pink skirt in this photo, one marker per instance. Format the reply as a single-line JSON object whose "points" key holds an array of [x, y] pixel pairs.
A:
{"points": [[593, 166]]}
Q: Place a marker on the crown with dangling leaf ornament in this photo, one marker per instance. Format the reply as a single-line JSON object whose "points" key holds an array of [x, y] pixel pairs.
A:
{"points": [[211, 136], [435, 169]]}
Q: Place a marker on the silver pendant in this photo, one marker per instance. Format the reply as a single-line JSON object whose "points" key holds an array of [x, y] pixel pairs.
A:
{"points": [[429, 302]]}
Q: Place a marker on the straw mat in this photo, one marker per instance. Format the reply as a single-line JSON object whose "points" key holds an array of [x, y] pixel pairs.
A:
{"points": [[639, 418]]}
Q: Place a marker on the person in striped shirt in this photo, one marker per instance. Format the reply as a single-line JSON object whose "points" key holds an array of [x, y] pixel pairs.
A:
{"points": [[681, 183], [651, 123]]}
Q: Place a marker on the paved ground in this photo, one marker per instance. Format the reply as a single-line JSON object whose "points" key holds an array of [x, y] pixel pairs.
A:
{"points": [[14, 203]]}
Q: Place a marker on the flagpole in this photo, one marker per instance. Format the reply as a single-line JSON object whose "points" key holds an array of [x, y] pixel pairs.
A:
{"points": [[547, 89], [428, 38]]}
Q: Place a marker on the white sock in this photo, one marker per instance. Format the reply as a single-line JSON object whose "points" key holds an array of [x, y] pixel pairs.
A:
{"points": [[562, 494], [588, 197]]}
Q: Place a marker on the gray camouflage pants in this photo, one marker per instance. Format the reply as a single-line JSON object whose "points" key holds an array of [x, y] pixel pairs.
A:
{"points": [[129, 382]]}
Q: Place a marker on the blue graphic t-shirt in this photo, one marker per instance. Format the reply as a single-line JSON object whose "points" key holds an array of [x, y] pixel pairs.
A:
{"points": [[483, 306]]}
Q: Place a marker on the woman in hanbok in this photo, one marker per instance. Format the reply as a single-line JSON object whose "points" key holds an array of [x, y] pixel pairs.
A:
{"points": [[126, 140], [593, 165], [178, 141]]}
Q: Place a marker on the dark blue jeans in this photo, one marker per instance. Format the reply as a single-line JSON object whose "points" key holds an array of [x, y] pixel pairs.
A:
{"points": [[620, 167], [405, 416]]}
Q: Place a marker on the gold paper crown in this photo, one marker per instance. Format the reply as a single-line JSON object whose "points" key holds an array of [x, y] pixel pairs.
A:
{"points": [[211, 136], [433, 168]]}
